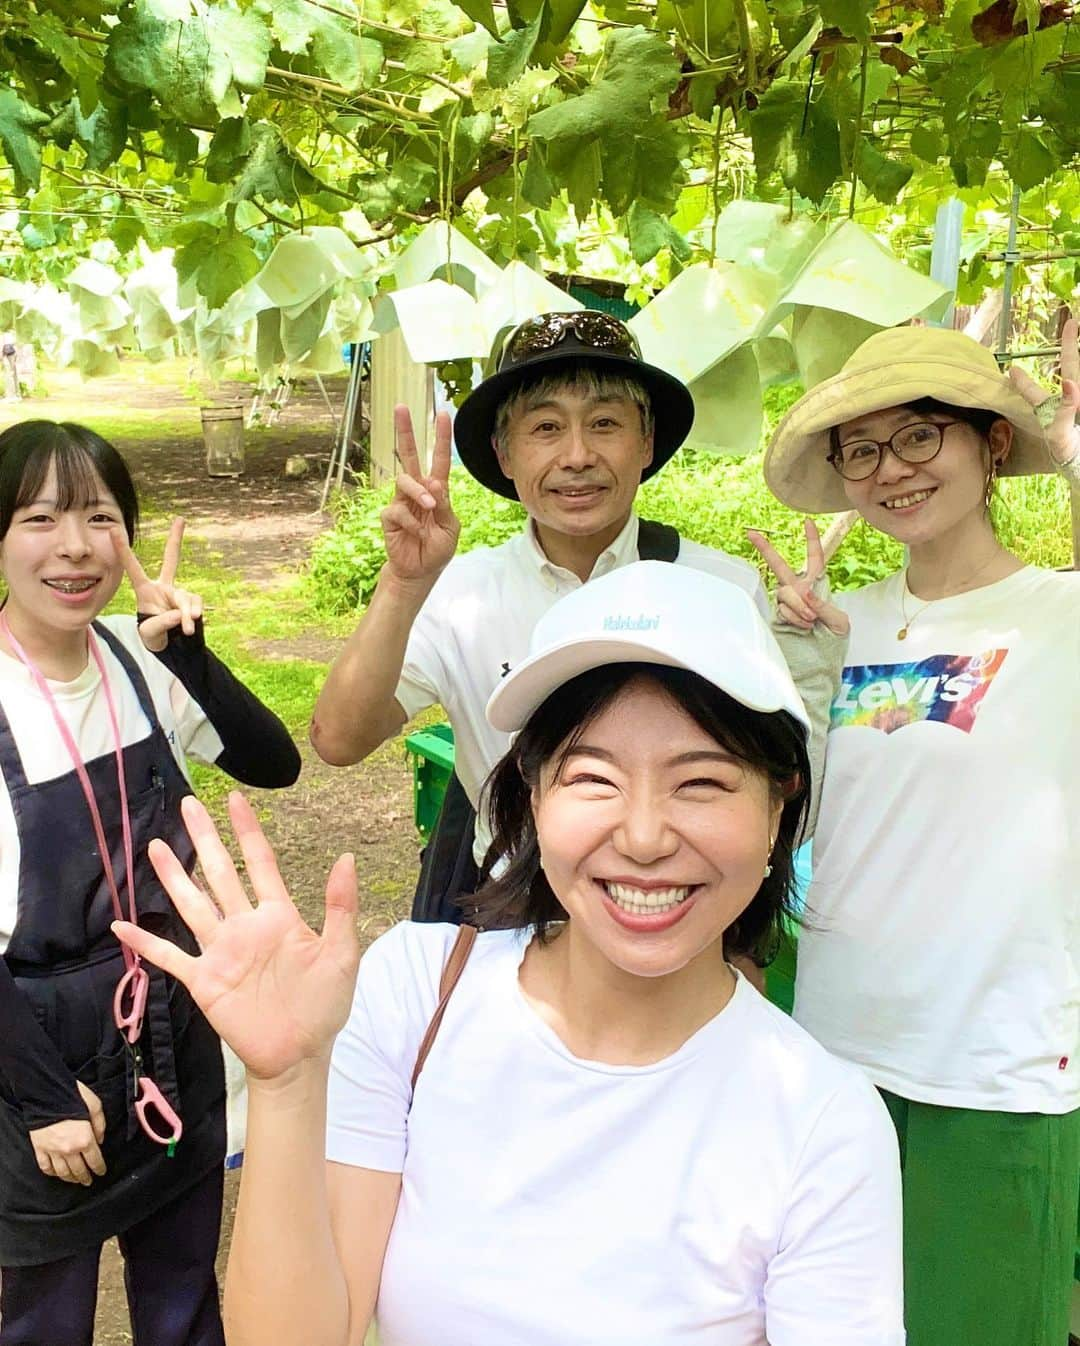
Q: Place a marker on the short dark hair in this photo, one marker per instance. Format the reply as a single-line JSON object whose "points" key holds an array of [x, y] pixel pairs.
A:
{"points": [[583, 377], [27, 449], [774, 744]]}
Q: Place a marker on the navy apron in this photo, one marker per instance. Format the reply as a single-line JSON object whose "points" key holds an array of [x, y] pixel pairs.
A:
{"points": [[66, 963]]}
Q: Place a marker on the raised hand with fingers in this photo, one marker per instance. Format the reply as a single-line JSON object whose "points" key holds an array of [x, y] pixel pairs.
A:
{"points": [[71, 1150], [796, 601], [419, 525], [1058, 415], [277, 992], [162, 602]]}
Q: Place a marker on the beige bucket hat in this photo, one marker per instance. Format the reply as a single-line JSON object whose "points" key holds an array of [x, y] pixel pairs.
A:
{"points": [[890, 369]]}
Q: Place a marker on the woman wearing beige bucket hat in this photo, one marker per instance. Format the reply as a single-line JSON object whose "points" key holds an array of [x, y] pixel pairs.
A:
{"points": [[942, 947]]}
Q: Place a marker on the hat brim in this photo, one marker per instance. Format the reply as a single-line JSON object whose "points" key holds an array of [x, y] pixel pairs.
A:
{"points": [[474, 423], [796, 465], [529, 685]]}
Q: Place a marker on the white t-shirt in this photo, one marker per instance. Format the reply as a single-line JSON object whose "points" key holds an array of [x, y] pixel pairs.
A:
{"points": [[944, 948], [743, 1190], [476, 625], [82, 704]]}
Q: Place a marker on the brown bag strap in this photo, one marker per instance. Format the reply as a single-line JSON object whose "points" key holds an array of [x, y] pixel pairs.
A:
{"points": [[451, 974]]}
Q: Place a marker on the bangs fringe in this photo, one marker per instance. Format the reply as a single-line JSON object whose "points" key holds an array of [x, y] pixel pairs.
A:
{"points": [[78, 484]]}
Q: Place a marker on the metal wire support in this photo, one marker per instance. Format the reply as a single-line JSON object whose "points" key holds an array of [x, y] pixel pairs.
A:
{"points": [[340, 452], [1011, 258]]}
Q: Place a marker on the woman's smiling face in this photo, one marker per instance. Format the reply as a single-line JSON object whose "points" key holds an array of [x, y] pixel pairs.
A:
{"points": [[61, 566], [653, 837], [920, 502]]}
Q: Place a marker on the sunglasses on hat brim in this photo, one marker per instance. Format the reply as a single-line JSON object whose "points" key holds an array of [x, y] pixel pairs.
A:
{"points": [[599, 331]]}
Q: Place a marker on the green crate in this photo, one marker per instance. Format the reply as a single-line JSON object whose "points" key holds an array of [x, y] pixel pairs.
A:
{"points": [[432, 754]]}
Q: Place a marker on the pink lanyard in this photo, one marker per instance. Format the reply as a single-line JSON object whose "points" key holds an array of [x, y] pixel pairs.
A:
{"points": [[129, 999]]}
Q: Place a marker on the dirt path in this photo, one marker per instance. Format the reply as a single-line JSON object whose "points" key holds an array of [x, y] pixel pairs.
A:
{"points": [[263, 523]]}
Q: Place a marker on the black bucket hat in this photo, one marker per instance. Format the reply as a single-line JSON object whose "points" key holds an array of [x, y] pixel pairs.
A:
{"points": [[541, 346]]}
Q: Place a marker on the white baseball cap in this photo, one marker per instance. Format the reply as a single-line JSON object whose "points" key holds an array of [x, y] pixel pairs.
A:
{"points": [[652, 612]]}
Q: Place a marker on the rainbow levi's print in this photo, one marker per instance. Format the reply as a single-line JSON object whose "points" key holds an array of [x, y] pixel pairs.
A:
{"points": [[948, 688]]}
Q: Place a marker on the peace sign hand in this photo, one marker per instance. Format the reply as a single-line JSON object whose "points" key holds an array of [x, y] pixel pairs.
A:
{"points": [[277, 992], [164, 603], [1062, 432], [419, 525], [796, 602]]}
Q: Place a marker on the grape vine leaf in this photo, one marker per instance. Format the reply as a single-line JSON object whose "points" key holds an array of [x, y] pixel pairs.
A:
{"points": [[508, 57], [649, 232], [797, 136], [102, 134], [561, 15], [219, 262], [620, 117], [1030, 162], [344, 56], [18, 122], [850, 16], [481, 12], [292, 23], [271, 171], [882, 176], [640, 70], [195, 69], [229, 149]]}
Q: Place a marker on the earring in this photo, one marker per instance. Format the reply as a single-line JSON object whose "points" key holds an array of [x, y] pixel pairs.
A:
{"points": [[768, 870], [991, 477]]}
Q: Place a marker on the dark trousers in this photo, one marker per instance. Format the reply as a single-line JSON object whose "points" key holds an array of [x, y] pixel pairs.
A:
{"points": [[168, 1272]]}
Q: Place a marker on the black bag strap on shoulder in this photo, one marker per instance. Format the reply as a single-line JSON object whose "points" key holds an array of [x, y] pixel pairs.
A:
{"points": [[657, 541], [447, 868]]}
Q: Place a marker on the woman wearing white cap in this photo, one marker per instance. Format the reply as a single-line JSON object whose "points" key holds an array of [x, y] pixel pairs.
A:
{"points": [[613, 1139], [944, 936]]}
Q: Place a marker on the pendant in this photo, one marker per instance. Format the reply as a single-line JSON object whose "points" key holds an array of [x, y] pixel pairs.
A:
{"points": [[902, 633]]}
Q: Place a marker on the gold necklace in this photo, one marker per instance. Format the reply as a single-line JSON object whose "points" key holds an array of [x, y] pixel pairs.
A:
{"points": [[902, 633], [963, 588]]}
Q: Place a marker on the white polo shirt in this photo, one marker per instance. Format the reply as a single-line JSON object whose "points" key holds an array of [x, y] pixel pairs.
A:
{"points": [[476, 625]]}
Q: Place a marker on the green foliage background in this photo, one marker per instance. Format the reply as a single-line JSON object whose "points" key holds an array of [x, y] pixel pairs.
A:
{"points": [[712, 501], [214, 126]]}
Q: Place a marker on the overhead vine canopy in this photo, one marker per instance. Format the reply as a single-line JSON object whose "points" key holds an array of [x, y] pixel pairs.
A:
{"points": [[212, 126]]}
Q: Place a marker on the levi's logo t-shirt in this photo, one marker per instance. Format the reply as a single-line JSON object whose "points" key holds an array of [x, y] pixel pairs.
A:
{"points": [[945, 687]]}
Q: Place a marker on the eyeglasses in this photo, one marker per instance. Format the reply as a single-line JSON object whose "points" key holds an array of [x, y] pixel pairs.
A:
{"points": [[918, 443], [598, 330]]}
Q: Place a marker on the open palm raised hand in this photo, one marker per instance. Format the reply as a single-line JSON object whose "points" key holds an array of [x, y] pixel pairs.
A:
{"points": [[277, 992], [419, 525], [796, 601]]}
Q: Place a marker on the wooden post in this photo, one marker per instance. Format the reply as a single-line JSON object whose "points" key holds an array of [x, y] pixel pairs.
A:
{"points": [[837, 531], [396, 378]]}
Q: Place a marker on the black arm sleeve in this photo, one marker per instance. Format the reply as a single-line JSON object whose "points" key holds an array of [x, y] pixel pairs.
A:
{"points": [[32, 1067], [258, 749]]}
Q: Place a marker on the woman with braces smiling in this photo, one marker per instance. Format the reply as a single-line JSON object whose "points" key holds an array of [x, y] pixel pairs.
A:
{"points": [[112, 1090]]}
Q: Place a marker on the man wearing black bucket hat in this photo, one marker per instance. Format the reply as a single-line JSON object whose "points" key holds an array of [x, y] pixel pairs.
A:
{"points": [[570, 423]]}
